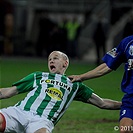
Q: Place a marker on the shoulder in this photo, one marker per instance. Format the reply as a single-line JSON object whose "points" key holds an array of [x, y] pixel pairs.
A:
{"points": [[127, 40], [41, 73], [82, 86]]}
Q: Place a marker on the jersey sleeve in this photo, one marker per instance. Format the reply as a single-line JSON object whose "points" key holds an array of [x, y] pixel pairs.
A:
{"points": [[25, 84], [84, 93], [115, 57]]}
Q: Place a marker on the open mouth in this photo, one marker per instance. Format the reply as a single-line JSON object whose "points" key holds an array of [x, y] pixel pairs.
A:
{"points": [[52, 67]]}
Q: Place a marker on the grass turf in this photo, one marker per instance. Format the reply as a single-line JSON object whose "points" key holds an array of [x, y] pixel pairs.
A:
{"points": [[80, 117]]}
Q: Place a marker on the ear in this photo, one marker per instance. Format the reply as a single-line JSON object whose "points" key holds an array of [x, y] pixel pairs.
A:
{"points": [[65, 64]]}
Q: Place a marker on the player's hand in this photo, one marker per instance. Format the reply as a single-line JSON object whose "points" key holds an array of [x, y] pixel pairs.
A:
{"points": [[74, 78]]}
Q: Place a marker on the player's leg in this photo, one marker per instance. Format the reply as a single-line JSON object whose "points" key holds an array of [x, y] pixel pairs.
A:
{"points": [[126, 125], [126, 114], [39, 124], [2, 123], [13, 119], [42, 130]]}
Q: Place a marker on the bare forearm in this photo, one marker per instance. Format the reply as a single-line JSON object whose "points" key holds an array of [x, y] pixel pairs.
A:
{"points": [[97, 72], [104, 103], [8, 92], [111, 104]]}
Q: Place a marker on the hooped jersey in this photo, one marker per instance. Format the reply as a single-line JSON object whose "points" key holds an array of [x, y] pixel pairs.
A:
{"points": [[50, 94], [123, 53]]}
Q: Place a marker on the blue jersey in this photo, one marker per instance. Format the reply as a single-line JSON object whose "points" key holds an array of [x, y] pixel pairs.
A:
{"points": [[123, 53]]}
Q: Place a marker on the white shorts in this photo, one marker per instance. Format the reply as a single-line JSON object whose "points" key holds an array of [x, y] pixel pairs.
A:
{"points": [[19, 121]]}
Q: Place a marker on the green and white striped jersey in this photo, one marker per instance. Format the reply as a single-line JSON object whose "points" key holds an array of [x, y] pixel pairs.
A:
{"points": [[50, 94]]}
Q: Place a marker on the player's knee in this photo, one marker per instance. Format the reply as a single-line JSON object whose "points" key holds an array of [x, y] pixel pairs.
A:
{"points": [[42, 130], [2, 122], [126, 125]]}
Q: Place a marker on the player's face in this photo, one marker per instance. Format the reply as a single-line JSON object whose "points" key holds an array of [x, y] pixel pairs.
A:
{"points": [[56, 63]]}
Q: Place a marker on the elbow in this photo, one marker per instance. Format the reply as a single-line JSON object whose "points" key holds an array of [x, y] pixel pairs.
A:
{"points": [[7, 93], [4, 96], [110, 106], [103, 106], [100, 73], [103, 69]]}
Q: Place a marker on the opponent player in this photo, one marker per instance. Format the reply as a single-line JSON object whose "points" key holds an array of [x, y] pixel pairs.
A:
{"points": [[49, 96], [123, 53]]}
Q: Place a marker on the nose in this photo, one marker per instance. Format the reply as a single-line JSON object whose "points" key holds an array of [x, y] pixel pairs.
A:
{"points": [[51, 61]]}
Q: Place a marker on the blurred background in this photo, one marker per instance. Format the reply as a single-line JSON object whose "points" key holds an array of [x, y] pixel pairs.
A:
{"points": [[84, 29]]}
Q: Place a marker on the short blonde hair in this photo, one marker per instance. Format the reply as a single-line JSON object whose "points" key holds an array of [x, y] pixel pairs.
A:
{"points": [[64, 56]]}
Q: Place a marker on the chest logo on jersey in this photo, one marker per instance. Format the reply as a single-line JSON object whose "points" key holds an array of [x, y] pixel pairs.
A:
{"points": [[113, 52], [131, 50], [130, 64], [54, 93], [58, 83]]}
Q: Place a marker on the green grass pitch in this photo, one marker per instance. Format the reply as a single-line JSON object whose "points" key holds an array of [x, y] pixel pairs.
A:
{"points": [[80, 117]]}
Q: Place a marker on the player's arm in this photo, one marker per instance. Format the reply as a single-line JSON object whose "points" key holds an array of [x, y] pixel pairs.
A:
{"points": [[8, 92], [104, 103], [97, 72]]}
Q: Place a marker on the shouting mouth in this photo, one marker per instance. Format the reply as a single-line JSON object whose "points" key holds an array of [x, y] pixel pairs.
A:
{"points": [[52, 67]]}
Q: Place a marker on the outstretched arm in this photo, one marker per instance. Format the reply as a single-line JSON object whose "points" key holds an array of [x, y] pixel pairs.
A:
{"points": [[97, 72], [8, 92], [104, 103]]}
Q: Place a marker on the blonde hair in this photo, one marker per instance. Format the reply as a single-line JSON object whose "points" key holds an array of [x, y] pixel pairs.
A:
{"points": [[64, 56]]}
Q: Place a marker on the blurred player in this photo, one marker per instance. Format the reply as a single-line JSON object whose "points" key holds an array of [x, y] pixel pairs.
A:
{"points": [[50, 94], [123, 53]]}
